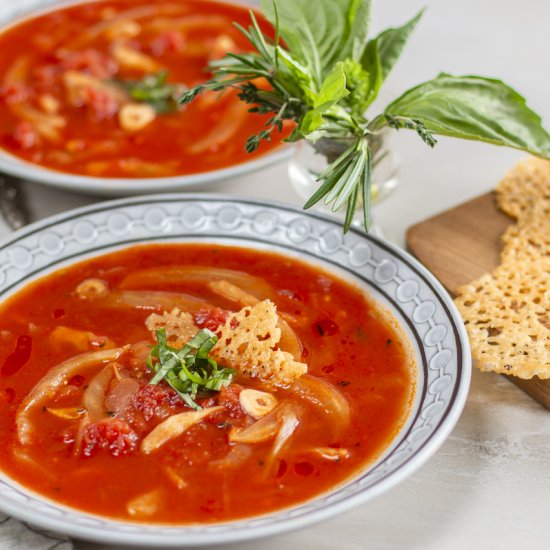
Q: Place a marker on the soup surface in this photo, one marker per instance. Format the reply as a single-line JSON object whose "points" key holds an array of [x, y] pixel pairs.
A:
{"points": [[90, 89], [309, 381]]}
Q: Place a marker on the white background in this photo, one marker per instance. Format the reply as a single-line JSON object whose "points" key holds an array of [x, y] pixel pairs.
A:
{"points": [[489, 485]]}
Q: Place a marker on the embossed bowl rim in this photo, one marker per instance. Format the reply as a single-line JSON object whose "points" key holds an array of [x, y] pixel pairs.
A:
{"points": [[96, 528], [117, 187]]}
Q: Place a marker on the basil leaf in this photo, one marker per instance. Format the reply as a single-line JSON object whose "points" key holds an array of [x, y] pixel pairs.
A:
{"points": [[333, 89], [311, 121], [372, 63], [187, 372], [390, 45], [322, 32], [298, 73], [381, 53], [301, 37], [358, 16], [472, 107], [154, 90]]}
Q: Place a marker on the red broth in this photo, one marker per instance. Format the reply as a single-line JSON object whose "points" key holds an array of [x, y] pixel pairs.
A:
{"points": [[63, 104], [348, 343]]}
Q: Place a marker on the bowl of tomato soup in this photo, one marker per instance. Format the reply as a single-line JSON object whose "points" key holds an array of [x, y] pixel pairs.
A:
{"points": [[183, 369], [89, 96]]}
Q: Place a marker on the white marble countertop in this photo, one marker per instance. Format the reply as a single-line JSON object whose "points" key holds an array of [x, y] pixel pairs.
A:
{"points": [[489, 485]]}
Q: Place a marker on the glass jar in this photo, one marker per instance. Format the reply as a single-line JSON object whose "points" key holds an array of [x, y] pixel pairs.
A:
{"points": [[309, 160]]}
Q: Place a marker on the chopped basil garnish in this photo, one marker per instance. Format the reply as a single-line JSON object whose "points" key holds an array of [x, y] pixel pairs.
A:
{"points": [[154, 90], [189, 369]]}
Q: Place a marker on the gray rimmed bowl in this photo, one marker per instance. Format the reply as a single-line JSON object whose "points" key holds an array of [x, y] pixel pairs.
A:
{"points": [[394, 279]]}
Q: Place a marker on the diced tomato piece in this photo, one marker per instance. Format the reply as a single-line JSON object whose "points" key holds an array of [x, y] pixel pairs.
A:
{"points": [[24, 135], [14, 93], [45, 75], [211, 318], [229, 398], [155, 401], [90, 61], [112, 435], [102, 104], [169, 41]]}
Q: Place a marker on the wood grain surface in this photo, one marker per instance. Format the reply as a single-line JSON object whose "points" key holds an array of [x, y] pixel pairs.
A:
{"points": [[460, 245]]}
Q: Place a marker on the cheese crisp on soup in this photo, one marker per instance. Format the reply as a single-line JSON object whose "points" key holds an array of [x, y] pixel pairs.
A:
{"points": [[92, 89], [195, 383]]}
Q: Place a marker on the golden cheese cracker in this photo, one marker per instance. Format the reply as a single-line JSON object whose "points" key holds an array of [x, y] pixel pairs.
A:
{"points": [[507, 315], [523, 186], [249, 343]]}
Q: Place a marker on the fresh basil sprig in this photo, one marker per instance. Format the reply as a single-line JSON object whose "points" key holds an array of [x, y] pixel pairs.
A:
{"points": [[329, 72], [189, 369]]}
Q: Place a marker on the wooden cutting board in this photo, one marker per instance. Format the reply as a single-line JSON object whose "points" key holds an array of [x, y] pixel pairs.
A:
{"points": [[460, 245]]}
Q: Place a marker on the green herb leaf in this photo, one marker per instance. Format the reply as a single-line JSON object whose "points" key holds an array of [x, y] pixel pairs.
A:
{"points": [[297, 31], [472, 107], [372, 64], [345, 179], [367, 195], [333, 89], [189, 369], [154, 90], [426, 135], [358, 19], [322, 32], [357, 82], [295, 74], [390, 45], [350, 210]]}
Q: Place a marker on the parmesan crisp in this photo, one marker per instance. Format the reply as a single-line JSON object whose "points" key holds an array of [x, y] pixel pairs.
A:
{"points": [[179, 326], [523, 186], [248, 342], [507, 312]]}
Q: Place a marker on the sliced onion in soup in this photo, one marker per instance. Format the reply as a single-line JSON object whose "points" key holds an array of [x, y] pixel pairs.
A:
{"points": [[48, 386], [93, 399], [261, 430], [173, 427], [152, 300], [235, 458], [325, 396], [147, 278], [289, 418]]}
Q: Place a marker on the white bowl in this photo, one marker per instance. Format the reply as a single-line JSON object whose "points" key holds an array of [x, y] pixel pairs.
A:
{"points": [[393, 278], [13, 12]]}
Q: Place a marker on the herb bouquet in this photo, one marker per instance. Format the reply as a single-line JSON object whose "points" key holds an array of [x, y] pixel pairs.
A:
{"points": [[323, 72]]}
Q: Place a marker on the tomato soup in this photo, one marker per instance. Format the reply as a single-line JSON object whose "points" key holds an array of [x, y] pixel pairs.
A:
{"points": [[92, 89], [193, 383]]}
